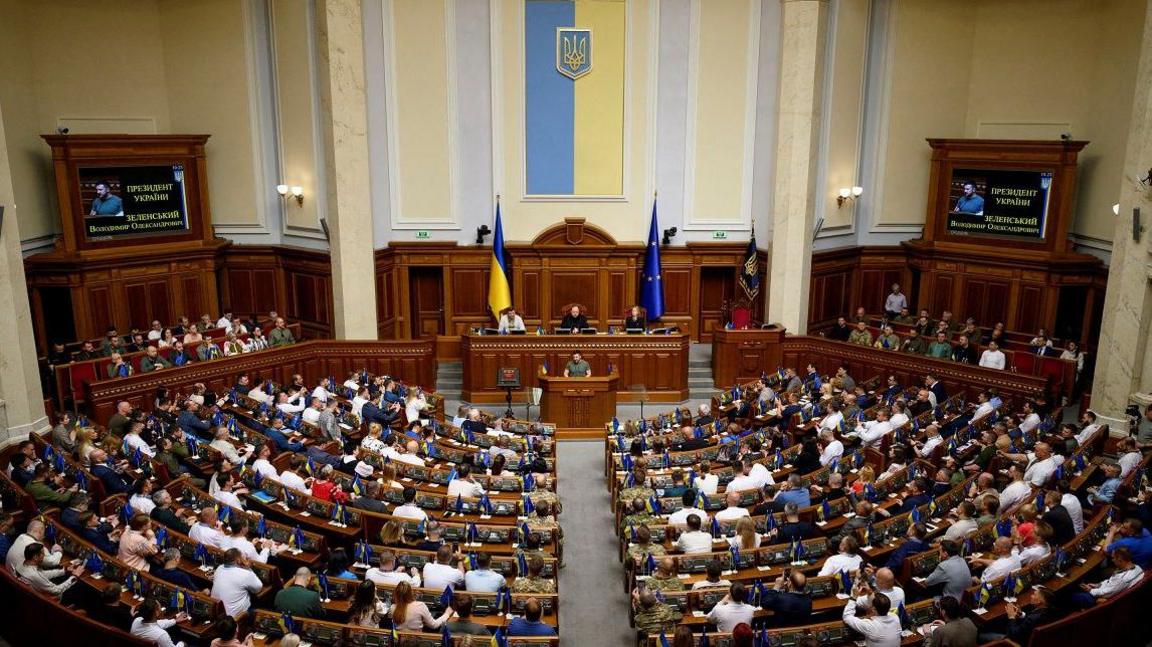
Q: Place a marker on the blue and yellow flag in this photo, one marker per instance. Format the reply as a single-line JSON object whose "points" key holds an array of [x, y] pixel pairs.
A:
{"points": [[499, 294], [651, 280]]}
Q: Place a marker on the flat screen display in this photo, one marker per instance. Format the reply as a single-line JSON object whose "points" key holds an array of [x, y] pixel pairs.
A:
{"points": [[999, 203], [132, 201]]}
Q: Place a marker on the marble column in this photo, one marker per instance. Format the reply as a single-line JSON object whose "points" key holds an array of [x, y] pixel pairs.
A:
{"points": [[1123, 372], [344, 118], [21, 401], [804, 28]]}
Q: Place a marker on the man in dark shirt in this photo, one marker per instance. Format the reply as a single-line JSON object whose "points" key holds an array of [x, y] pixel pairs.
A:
{"points": [[788, 599], [114, 482], [1063, 530], [840, 330], [107, 609], [276, 434], [918, 497], [171, 571], [574, 320], [93, 534], [463, 624], [23, 469], [792, 529], [913, 545], [192, 424], [165, 515], [688, 441]]}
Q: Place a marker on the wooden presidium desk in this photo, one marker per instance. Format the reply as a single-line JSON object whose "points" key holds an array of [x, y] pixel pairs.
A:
{"points": [[651, 368]]}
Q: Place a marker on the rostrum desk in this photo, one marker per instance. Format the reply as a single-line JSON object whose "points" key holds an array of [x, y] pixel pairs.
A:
{"points": [[651, 368], [578, 405]]}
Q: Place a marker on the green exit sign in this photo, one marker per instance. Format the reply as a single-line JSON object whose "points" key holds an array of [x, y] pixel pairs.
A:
{"points": [[422, 234], [719, 235]]}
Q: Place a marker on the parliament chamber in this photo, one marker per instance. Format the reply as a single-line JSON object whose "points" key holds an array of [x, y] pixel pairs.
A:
{"points": [[527, 323]]}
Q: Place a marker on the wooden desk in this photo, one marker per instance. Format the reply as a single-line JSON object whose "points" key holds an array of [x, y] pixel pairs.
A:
{"points": [[578, 405], [741, 356], [658, 363]]}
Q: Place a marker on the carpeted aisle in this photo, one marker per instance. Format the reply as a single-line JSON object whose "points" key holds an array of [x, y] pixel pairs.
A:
{"points": [[593, 607]]}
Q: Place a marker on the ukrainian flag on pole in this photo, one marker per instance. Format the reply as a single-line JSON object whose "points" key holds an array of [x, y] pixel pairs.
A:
{"points": [[499, 294]]}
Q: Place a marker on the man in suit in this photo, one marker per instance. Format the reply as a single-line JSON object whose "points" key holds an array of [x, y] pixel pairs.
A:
{"points": [[705, 417], [283, 443], [788, 599], [688, 441], [114, 482], [936, 387], [574, 320], [192, 424]]}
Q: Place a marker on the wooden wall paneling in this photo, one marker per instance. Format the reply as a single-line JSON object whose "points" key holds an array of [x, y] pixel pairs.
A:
{"points": [[195, 298], [136, 301], [99, 311], [942, 288], [617, 295], [239, 287], [529, 289], [575, 286], [470, 294]]}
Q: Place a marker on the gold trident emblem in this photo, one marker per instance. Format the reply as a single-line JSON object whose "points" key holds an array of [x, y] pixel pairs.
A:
{"points": [[575, 52]]}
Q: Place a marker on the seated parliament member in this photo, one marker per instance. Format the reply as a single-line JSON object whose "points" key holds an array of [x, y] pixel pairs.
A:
{"points": [[574, 321], [635, 319], [280, 335], [153, 361], [578, 367], [510, 321]]}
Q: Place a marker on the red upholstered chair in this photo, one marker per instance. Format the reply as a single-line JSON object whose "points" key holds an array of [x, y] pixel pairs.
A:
{"points": [[741, 317]]}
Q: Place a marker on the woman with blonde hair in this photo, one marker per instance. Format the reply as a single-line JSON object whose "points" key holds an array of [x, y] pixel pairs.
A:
{"points": [[746, 537], [392, 534], [372, 441], [85, 444], [415, 404], [387, 476], [866, 476], [409, 614]]}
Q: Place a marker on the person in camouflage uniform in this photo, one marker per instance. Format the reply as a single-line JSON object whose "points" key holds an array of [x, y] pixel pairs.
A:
{"points": [[533, 582], [642, 546], [637, 515], [664, 579], [651, 615], [542, 518], [639, 488]]}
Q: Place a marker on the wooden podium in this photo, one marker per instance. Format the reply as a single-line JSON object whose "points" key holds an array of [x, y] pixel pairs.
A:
{"points": [[740, 356], [578, 405]]}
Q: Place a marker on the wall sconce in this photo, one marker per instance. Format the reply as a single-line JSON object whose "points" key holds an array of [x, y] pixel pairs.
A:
{"points": [[296, 191], [848, 194]]}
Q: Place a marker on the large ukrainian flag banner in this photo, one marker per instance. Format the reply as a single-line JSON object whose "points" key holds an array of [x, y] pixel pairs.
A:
{"points": [[574, 96]]}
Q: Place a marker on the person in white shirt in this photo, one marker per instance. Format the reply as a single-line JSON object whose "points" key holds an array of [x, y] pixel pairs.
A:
{"points": [[833, 449], [1017, 490], [141, 499], [221, 442], [34, 533], [510, 321], [895, 302], [834, 417], [225, 320], [388, 574], [964, 524], [291, 405], [1040, 463], [464, 485], [441, 573], [1126, 576], [733, 511], [225, 481], [680, 517], [134, 441], [706, 481], [416, 403], [150, 627], [321, 392], [847, 560], [1131, 457], [694, 540], [984, 409], [311, 415], [1075, 510], [899, 416], [259, 393], [993, 357], [410, 510], [240, 541], [743, 480], [263, 466], [933, 439], [233, 582], [1031, 419], [1088, 420], [359, 401], [44, 580], [732, 610], [879, 627], [205, 531], [759, 473], [1004, 563], [291, 478], [1038, 550], [872, 432], [156, 331], [885, 584]]}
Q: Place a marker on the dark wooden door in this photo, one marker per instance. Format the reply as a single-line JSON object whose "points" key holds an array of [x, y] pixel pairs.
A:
{"points": [[426, 291], [717, 287]]}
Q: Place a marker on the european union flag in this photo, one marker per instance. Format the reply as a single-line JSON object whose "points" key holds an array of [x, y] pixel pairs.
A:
{"points": [[651, 281]]}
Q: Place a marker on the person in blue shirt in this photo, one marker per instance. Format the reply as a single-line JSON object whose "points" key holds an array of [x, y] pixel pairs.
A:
{"points": [[276, 434], [795, 493], [192, 424], [913, 545], [917, 498], [338, 563], [969, 202], [483, 579], [95, 535], [1135, 537], [1107, 490], [530, 624]]}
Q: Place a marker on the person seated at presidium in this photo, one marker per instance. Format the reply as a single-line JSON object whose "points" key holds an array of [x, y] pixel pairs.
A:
{"points": [[578, 367], [635, 319], [510, 320], [574, 321]]}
